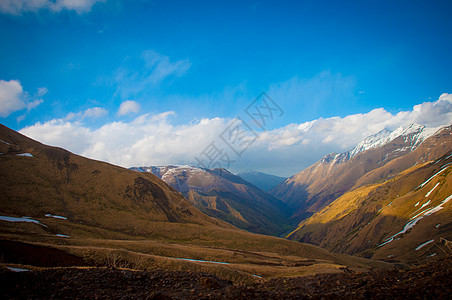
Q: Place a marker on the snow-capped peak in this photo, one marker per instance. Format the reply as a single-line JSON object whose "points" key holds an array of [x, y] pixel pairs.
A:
{"points": [[413, 135], [373, 141]]}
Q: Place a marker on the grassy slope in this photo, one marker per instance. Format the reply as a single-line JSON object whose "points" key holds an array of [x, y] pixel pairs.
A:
{"points": [[361, 220], [115, 214]]}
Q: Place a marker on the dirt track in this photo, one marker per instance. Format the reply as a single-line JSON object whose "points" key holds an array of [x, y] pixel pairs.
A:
{"points": [[432, 281]]}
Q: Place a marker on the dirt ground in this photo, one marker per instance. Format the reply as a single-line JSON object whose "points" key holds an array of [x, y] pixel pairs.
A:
{"points": [[431, 281]]}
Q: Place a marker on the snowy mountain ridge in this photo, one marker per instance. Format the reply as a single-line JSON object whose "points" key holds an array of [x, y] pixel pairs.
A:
{"points": [[414, 134]]}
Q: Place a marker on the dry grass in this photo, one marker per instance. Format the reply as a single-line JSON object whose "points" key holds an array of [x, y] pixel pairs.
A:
{"points": [[121, 218], [362, 219]]}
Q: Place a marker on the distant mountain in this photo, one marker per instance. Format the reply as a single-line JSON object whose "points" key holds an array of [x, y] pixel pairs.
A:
{"points": [[226, 196], [372, 160], [389, 198], [262, 180]]}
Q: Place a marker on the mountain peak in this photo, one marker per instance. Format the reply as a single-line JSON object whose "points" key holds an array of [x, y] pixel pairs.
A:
{"points": [[373, 141], [414, 134]]}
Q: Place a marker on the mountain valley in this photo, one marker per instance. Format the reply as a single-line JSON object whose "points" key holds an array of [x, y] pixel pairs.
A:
{"points": [[221, 194], [389, 201], [383, 205], [101, 215]]}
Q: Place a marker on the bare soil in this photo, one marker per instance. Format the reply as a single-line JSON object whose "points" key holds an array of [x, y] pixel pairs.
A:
{"points": [[430, 281]]}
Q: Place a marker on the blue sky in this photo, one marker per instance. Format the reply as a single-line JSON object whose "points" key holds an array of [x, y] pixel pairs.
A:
{"points": [[75, 62]]}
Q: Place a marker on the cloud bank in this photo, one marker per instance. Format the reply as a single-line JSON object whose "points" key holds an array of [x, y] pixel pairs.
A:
{"points": [[90, 113], [17, 7], [154, 140]]}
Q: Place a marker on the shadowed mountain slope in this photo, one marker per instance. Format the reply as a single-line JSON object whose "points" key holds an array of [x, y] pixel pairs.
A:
{"points": [[262, 180], [223, 195]]}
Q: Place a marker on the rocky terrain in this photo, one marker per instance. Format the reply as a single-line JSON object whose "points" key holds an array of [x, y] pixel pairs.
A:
{"points": [[430, 281]]}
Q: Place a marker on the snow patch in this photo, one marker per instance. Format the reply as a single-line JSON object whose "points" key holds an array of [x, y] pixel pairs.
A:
{"points": [[416, 219], [435, 209], [5, 142], [205, 261], [427, 181], [23, 219], [437, 225], [25, 154], [423, 244], [63, 235], [425, 204], [17, 269], [55, 216], [431, 255], [428, 194]]}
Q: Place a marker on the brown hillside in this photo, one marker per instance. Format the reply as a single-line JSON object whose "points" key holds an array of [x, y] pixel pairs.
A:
{"points": [[104, 215], [223, 195], [93, 193], [390, 220], [317, 186]]}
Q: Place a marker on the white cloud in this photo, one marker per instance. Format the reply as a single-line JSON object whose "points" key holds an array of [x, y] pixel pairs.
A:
{"points": [[13, 98], [17, 7], [34, 104], [446, 97], [92, 113], [149, 139], [128, 107], [42, 91], [151, 69], [95, 112], [154, 140]]}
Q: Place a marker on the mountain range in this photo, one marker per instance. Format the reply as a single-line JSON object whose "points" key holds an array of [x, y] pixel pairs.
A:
{"points": [[383, 199], [372, 160], [221, 194], [61, 209], [388, 199]]}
